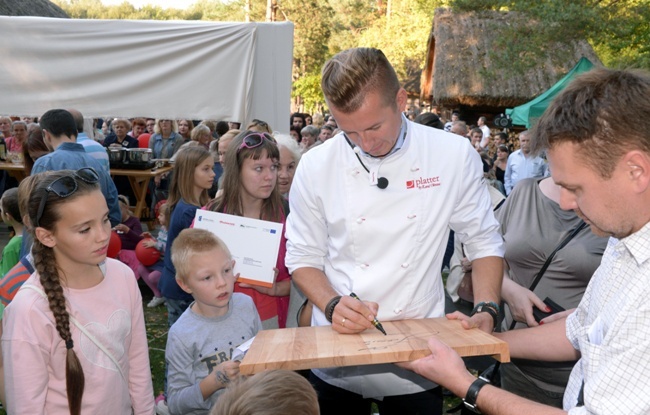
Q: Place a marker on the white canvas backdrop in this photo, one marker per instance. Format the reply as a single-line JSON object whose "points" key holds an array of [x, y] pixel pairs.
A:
{"points": [[159, 69]]}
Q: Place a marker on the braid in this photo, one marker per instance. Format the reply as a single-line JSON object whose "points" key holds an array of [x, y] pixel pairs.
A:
{"points": [[45, 264]]}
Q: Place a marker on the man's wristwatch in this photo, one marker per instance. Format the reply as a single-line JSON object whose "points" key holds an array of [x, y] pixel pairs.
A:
{"points": [[472, 394], [491, 308], [329, 308]]}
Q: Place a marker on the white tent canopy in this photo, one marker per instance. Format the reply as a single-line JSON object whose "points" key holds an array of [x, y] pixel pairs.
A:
{"points": [[157, 69]]}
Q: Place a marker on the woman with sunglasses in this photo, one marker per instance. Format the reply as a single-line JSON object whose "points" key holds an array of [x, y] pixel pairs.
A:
{"points": [[74, 338], [250, 190]]}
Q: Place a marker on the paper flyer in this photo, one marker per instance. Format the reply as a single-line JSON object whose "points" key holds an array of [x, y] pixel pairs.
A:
{"points": [[253, 243]]}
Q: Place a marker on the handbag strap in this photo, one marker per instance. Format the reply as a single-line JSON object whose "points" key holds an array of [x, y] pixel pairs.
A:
{"points": [[561, 245], [538, 277], [547, 263], [83, 330]]}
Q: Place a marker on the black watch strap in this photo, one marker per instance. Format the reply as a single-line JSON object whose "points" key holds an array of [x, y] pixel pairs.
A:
{"points": [[487, 308], [329, 308], [472, 394]]}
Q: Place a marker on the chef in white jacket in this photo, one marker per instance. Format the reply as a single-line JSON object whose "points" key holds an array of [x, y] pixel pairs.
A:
{"points": [[371, 211]]}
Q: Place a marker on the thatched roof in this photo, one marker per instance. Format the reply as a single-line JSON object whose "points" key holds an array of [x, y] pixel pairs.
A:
{"points": [[41, 8], [459, 54]]}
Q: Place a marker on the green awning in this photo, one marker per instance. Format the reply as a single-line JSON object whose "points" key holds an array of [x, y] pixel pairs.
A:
{"points": [[528, 113]]}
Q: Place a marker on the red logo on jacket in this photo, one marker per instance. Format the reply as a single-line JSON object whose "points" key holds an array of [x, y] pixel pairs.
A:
{"points": [[423, 183]]}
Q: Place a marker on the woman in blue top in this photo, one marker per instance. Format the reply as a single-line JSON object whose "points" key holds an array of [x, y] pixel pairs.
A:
{"points": [[193, 176], [164, 143]]}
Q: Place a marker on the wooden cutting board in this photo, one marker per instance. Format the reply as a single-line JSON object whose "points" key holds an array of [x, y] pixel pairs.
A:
{"points": [[318, 347]]}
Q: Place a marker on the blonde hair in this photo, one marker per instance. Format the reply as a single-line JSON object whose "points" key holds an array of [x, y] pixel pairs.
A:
{"points": [[191, 242], [351, 75], [158, 130], [275, 392], [182, 185]]}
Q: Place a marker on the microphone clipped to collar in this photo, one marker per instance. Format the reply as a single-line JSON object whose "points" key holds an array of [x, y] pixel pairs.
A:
{"points": [[382, 182]]}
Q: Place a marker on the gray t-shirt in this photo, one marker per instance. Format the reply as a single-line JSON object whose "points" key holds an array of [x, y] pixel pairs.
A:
{"points": [[197, 344], [532, 226]]}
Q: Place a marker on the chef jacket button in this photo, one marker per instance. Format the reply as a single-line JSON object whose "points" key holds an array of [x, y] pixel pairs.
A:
{"points": [[397, 311], [415, 168], [411, 216], [405, 265], [360, 220]]}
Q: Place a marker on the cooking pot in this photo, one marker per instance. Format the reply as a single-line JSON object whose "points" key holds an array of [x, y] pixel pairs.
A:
{"points": [[116, 154], [139, 155]]}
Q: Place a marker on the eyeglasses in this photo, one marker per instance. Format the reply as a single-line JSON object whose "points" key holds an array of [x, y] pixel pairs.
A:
{"points": [[253, 140], [66, 186]]}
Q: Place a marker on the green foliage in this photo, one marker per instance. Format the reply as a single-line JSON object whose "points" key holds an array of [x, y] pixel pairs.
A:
{"points": [[403, 36], [308, 88], [618, 30]]}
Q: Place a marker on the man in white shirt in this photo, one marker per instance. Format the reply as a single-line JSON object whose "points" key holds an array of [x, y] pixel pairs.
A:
{"points": [[454, 117], [371, 211], [486, 132], [522, 164], [603, 169]]}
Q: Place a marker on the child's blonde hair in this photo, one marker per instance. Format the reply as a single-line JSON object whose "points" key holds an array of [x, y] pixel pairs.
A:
{"points": [[275, 392], [192, 242]]}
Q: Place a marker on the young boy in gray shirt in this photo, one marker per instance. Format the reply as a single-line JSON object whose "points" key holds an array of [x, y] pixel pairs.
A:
{"points": [[200, 344]]}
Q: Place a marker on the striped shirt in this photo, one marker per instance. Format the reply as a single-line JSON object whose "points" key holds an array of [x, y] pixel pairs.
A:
{"points": [[15, 278]]}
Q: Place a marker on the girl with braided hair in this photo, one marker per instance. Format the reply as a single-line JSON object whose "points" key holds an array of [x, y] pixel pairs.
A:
{"points": [[74, 337]]}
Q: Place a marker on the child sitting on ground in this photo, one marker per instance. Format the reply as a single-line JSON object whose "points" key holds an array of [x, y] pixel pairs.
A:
{"points": [[201, 342], [10, 214], [151, 274]]}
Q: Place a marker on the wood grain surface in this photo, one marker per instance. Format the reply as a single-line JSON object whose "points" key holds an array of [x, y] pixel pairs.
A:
{"points": [[318, 347]]}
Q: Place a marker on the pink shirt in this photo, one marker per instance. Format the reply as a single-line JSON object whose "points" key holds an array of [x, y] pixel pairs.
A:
{"points": [[13, 145], [34, 353]]}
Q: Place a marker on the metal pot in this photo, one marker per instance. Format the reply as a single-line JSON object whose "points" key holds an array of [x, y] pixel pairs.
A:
{"points": [[139, 155], [116, 154]]}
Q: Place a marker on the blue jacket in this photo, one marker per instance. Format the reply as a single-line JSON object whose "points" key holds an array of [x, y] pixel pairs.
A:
{"points": [[181, 218], [72, 156]]}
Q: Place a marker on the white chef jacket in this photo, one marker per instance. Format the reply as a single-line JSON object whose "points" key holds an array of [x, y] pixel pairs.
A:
{"points": [[387, 245]]}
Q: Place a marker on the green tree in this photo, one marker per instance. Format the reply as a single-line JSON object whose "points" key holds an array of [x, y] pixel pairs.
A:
{"points": [[619, 30]]}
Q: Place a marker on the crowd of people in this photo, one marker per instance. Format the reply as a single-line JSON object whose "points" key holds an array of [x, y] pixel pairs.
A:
{"points": [[373, 206]]}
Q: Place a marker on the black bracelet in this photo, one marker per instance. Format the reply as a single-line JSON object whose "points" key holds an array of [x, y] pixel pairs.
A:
{"points": [[486, 308], [472, 395], [329, 308], [490, 304]]}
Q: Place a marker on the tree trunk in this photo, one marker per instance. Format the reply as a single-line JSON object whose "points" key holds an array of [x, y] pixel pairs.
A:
{"points": [[269, 11]]}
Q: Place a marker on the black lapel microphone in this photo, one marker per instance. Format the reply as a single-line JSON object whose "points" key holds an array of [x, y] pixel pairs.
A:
{"points": [[382, 182]]}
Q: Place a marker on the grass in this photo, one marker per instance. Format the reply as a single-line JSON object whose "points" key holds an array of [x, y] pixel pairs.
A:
{"points": [[156, 321]]}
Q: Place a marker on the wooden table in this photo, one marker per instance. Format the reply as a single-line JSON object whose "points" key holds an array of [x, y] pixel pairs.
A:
{"points": [[16, 170], [139, 180], [319, 347]]}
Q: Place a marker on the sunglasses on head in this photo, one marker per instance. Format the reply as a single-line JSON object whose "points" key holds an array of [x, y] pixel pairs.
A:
{"points": [[260, 123], [66, 186], [253, 140]]}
